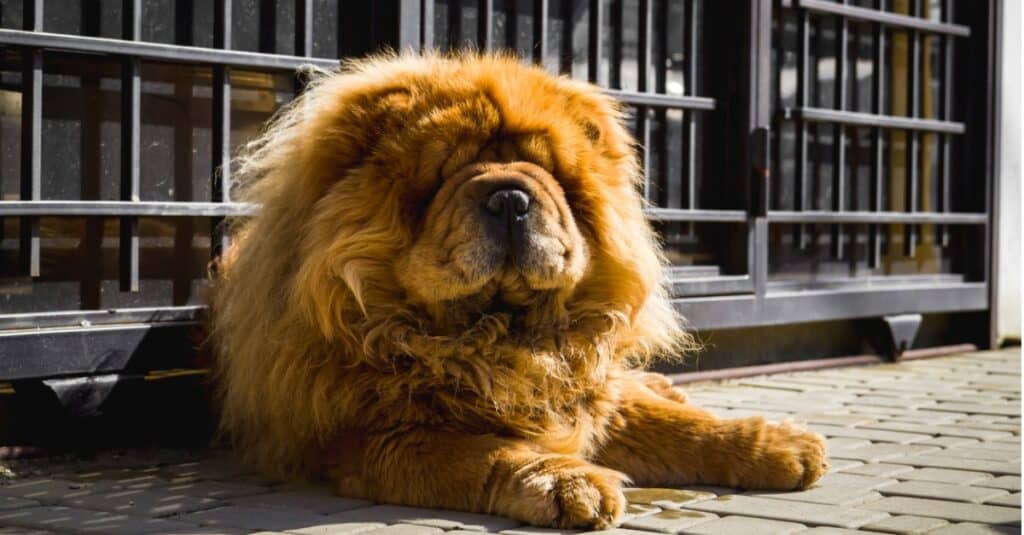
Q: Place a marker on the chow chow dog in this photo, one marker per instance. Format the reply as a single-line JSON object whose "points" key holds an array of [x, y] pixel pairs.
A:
{"points": [[449, 295]]}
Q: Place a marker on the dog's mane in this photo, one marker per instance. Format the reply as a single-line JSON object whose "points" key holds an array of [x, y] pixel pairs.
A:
{"points": [[313, 336]]}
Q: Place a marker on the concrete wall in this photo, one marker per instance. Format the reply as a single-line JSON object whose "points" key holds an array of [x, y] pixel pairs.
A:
{"points": [[1008, 302]]}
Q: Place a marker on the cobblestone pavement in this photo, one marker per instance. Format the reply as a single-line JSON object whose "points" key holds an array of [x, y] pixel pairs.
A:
{"points": [[922, 446]]}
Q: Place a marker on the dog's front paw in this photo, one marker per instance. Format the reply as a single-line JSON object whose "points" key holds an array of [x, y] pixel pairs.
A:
{"points": [[785, 457], [567, 492]]}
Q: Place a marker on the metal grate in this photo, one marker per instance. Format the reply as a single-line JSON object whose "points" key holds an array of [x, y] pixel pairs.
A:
{"points": [[772, 185]]}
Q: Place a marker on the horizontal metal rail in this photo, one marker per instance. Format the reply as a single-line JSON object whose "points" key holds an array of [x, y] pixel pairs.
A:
{"points": [[124, 208], [945, 218], [660, 100], [824, 115], [711, 216], [827, 7], [159, 51], [86, 318]]}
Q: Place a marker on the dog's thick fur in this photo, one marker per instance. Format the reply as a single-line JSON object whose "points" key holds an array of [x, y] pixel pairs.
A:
{"points": [[371, 329]]}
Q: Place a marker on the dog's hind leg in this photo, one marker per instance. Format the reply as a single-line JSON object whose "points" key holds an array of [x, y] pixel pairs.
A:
{"points": [[657, 441], [483, 474]]}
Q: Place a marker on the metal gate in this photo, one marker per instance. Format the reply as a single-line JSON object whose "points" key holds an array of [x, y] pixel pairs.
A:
{"points": [[807, 160]]}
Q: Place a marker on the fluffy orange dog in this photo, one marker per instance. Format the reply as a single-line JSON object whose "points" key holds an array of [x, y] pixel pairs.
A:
{"points": [[447, 296]]}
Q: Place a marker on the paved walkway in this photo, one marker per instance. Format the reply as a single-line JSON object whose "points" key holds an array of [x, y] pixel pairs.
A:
{"points": [[923, 446]]}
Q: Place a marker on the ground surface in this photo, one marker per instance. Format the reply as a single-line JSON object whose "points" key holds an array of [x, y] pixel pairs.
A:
{"points": [[923, 446]]}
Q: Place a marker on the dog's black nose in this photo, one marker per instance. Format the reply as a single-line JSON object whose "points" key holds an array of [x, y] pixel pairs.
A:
{"points": [[511, 203]]}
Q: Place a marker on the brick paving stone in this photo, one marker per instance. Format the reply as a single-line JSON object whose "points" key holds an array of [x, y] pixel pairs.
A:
{"points": [[835, 418], [617, 531], [146, 502], [855, 481], [669, 521], [976, 408], [944, 430], [942, 491], [964, 512], [846, 443], [906, 524], [968, 528], [839, 465], [875, 435], [882, 470], [256, 518], [392, 514], [1009, 500], [329, 527], [881, 452], [10, 502], [742, 525], [942, 475], [530, 530], [637, 510], [811, 513], [406, 529], [216, 489], [665, 498], [946, 442], [826, 530], [957, 463], [1001, 482], [44, 490], [85, 521], [316, 500], [837, 495], [984, 454]]}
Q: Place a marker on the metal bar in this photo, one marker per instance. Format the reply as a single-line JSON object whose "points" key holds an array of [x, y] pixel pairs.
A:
{"points": [[777, 308], [427, 19], [454, 24], [674, 214], [802, 90], [303, 28], [131, 121], [66, 318], [839, 139], [913, 191], [947, 114], [655, 100], [595, 36], [879, 16], [711, 285], [877, 151], [220, 128], [124, 208], [540, 31], [661, 59], [854, 118], [511, 25], [268, 26], [952, 218], [158, 51], [689, 137], [643, 62], [615, 61], [410, 27], [31, 145], [485, 24]]}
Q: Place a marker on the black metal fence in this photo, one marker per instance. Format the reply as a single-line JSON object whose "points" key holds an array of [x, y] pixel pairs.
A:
{"points": [[807, 160]]}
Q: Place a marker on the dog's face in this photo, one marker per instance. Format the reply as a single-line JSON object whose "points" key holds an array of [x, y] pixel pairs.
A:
{"points": [[450, 191]]}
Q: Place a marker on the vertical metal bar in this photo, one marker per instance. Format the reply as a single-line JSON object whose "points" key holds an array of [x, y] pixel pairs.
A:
{"points": [[643, 126], [411, 16], [268, 26], [877, 152], [946, 140], [661, 114], [566, 59], [454, 24], [31, 138], [511, 25], [304, 28], [689, 167], [131, 120], [615, 61], [427, 14], [839, 139], [221, 128], [910, 231], [540, 31], [485, 24], [802, 90], [595, 37]]}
